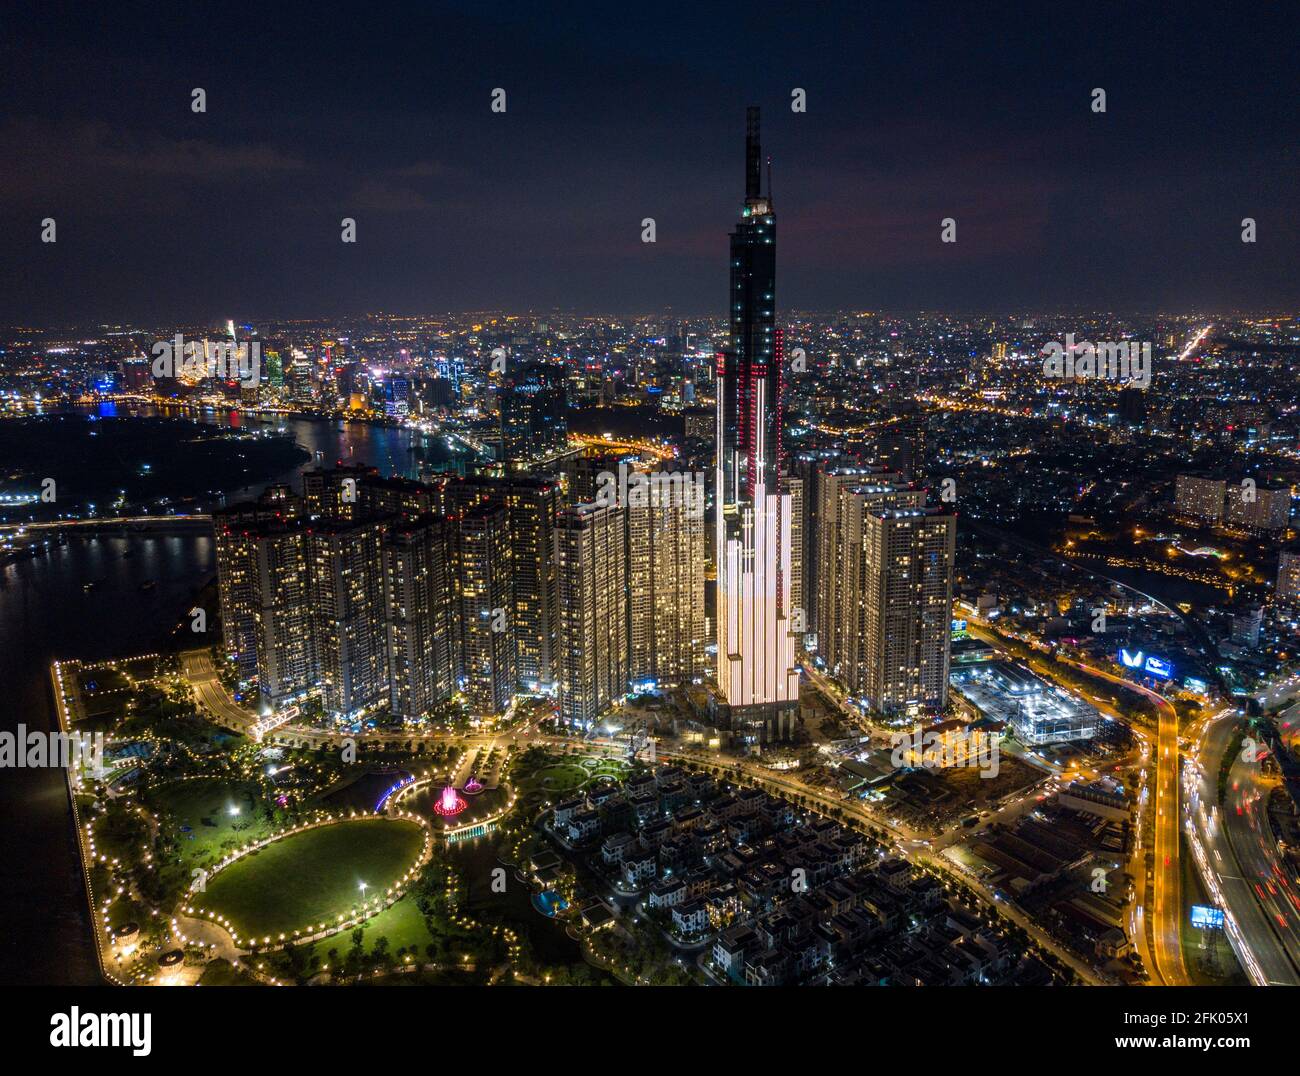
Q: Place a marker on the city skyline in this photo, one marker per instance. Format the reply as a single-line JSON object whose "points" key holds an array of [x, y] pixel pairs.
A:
{"points": [[907, 596]]}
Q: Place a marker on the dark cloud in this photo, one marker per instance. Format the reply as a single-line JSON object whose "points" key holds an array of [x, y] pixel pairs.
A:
{"points": [[381, 112]]}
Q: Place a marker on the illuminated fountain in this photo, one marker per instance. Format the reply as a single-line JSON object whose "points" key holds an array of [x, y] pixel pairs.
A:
{"points": [[473, 786], [449, 803]]}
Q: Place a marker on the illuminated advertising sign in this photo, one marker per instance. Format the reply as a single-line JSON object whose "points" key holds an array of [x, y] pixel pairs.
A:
{"points": [[1150, 665], [958, 629], [1158, 667], [1207, 917]]}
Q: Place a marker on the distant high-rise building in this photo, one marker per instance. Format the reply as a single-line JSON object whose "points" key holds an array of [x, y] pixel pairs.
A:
{"points": [[582, 475], [335, 493], [1247, 624], [481, 573], [908, 556], [1199, 497], [1132, 405], [758, 680], [239, 532], [1260, 509], [665, 578], [846, 650], [592, 559], [533, 421], [347, 600], [137, 376], [901, 446], [1288, 576], [823, 578], [418, 616]]}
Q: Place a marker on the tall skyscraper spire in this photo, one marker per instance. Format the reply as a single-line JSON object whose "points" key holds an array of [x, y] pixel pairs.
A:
{"points": [[753, 154], [757, 678]]}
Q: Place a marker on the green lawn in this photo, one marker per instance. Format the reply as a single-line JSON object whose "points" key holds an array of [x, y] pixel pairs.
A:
{"points": [[205, 807], [402, 925], [311, 877], [569, 775]]}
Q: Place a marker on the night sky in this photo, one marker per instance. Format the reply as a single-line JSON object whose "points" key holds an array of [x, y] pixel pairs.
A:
{"points": [[615, 113]]}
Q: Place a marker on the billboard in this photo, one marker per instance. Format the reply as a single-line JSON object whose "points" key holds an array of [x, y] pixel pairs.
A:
{"points": [[1148, 664], [1207, 917], [1158, 667]]}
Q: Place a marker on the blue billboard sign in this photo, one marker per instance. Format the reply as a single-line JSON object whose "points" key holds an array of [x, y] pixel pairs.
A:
{"points": [[1158, 667], [1207, 917]]}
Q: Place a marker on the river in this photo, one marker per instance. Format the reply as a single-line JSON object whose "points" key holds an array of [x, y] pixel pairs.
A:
{"points": [[46, 614]]}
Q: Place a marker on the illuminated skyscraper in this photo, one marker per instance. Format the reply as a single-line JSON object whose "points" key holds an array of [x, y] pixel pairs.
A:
{"points": [[347, 608], [241, 533], [665, 550], [417, 615], [901, 629], [757, 677], [286, 652], [481, 574], [590, 543]]}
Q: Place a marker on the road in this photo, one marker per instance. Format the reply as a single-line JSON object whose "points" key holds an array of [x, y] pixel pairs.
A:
{"points": [[1220, 838], [1245, 820], [1165, 906], [211, 693], [1157, 920]]}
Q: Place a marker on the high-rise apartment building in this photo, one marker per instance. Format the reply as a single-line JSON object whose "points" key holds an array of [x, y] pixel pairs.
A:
{"points": [[793, 586], [1259, 509], [531, 508], [254, 543], [418, 616], [905, 608], [485, 658], [347, 613], [1288, 577], [591, 556], [847, 649], [1199, 497], [665, 581], [824, 576], [285, 640], [530, 505]]}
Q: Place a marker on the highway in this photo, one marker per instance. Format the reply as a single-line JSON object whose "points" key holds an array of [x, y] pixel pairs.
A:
{"points": [[1220, 838], [1166, 901], [1160, 915]]}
